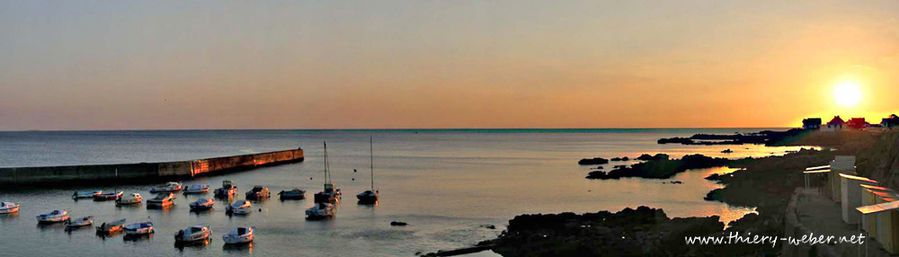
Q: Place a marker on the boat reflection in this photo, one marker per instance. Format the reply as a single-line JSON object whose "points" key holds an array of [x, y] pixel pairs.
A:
{"points": [[240, 248], [192, 245], [136, 238]]}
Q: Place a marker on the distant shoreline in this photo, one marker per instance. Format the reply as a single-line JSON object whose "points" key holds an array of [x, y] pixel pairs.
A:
{"points": [[410, 130]]}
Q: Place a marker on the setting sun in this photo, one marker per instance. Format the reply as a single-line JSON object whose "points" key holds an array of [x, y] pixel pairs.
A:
{"points": [[847, 93]]}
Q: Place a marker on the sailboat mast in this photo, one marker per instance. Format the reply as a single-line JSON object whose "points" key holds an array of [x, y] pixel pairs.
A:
{"points": [[325, 161], [371, 149]]}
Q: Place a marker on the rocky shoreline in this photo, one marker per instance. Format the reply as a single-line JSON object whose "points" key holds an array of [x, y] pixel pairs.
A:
{"points": [[764, 183], [767, 137]]}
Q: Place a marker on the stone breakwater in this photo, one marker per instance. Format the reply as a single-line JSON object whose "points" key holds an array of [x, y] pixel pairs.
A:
{"points": [[143, 172]]}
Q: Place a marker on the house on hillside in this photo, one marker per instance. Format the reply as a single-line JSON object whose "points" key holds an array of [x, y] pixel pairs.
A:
{"points": [[857, 123], [890, 122], [835, 124], [811, 123]]}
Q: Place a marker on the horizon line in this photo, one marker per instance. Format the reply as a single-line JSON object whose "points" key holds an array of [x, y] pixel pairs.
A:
{"points": [[379, 129]]}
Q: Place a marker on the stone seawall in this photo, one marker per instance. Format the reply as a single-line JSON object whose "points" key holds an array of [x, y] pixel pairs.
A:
{"points": [[133, 172]]}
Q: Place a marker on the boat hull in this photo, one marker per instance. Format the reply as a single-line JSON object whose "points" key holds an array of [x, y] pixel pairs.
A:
{"points": [[292, 196], [159, 205]]}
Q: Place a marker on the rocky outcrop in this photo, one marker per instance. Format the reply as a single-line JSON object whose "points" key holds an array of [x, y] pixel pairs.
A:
{"points": [[660, 167], [763, 137], [593, 161], [631, 232]]}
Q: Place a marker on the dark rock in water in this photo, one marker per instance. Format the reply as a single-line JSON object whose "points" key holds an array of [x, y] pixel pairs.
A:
{"points": [[398, 223], [727, 151], [714, 195], [676, 182], [599, 167], [620, 159], [488, 226], [631, 232], [661, 167], [658, 156], [715, 177], [593, 161]]}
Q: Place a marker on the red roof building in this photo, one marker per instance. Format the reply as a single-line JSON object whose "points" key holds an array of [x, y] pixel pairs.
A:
{"points": [[836, 123], [857, 123]]}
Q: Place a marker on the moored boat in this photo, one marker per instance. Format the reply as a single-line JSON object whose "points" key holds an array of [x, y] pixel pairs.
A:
{"points": [[9, 207], [111, 227], [129, 199], [85, 194], [202, 204], [139, 229], [239, 207], [239, 235], [321, 211], [108, 196], [293, 194], [196, 189], [54, 216], [330, 194], [227, 191], [370, 197], [258, 193], [169, 187], [193, 234], [162, 200], [79, 222]]}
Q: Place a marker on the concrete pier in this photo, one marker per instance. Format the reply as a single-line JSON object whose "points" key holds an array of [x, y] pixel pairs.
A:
{"points": [[149, 172]]}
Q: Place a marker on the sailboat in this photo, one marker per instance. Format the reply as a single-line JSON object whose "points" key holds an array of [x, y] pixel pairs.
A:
{"points": [[330, 194], [370, 197]]}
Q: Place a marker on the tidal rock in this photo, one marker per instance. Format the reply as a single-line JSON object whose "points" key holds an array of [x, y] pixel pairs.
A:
{"points": [[593, 161]]}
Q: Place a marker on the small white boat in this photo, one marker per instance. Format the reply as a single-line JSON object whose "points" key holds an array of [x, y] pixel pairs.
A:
{"points": [[239, 207], [321, 211], [227, 191], [167, 188], [139, 229], [54, 216], [193, 234], [79, 222], [239, 235], [196, 189], [258, 193], [162, 200], [8, 207], [108, 228], [202, 204], [129, 199], [86, 194], [108, 196]]}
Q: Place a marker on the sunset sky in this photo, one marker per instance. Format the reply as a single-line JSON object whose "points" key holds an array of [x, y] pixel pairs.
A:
{"points": [[442, 64]]}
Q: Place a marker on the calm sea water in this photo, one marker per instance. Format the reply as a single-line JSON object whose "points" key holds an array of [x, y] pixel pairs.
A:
{"points": [[447, 184]]}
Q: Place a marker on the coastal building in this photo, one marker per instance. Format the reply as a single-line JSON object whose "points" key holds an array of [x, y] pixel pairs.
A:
{"points": [[811, 123], [857, 123], [890, 122], [835, 124]]}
